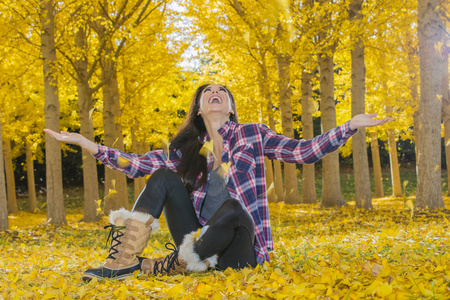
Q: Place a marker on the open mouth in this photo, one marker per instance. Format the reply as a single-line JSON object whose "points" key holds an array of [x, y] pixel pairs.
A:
{"points": [[215, 99]]}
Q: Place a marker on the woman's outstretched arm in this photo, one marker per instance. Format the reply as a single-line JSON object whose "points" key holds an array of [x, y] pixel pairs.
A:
{"points": [[73, 138], [289, 150]]}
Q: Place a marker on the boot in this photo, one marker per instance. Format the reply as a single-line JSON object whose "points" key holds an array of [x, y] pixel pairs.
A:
{"points": [[130, 232], [182, 260]]}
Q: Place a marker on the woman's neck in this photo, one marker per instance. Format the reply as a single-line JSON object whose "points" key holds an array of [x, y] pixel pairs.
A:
{"points": [[213, 125]]}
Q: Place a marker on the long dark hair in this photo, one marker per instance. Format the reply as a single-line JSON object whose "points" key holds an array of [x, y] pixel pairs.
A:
{"points": [[190, 140]]}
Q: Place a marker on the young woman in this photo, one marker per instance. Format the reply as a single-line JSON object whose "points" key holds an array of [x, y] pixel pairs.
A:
{"points": [[215, 204]]}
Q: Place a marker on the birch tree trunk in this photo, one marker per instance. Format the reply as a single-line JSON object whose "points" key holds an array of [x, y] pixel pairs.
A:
{"points": [[429, 190], [30, 178], [4, 224], [363, 197], [378, 177], [55, 202], [308, 172], [291, 195], [10, 181], [85, 105]]}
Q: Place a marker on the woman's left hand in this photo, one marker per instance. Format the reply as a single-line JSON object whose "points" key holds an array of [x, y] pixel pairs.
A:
{"points": [[367, 120]]}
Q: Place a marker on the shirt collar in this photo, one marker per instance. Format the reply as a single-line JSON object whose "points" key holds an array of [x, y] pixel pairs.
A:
{"points": [[224, 131]]}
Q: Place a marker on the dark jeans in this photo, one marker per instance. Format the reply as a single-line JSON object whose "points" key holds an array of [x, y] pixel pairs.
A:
{"points": [[231, 232]]}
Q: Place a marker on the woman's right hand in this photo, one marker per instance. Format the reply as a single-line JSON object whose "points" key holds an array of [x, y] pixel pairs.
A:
{"points": [[73, 138]]}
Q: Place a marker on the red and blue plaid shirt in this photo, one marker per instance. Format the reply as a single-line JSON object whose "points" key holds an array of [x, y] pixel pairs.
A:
{"points": [[244, 145]]}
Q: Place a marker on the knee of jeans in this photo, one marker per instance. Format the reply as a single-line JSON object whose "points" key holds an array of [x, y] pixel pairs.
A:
{"points": [[237, 213], [163, 174], [234, 208]]}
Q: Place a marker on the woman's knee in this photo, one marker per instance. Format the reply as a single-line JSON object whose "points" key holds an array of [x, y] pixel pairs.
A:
{"points": [[234, 210], [164, 177]]}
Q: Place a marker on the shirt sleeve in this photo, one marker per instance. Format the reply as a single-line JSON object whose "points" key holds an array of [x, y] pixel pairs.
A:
{"points": [[289, 150], [135, 165]]}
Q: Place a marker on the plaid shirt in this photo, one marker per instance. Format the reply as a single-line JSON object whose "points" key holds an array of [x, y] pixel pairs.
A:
{"points": [[244, 145]]}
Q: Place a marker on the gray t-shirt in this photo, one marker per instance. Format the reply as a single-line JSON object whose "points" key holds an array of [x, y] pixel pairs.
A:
{"points": [[216, 194]]}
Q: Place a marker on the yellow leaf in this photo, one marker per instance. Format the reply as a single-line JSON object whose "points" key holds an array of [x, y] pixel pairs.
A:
{"points": [[436, 168], [114, 142], [226, 166], [384, 290], [165, 145], [176, 290], [376, 269], [123, 162], [207, 149], [409, 205], [271, 189], [90, 115], [405, 183]]}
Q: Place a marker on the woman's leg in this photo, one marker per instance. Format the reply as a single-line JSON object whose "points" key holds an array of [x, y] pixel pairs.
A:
{"points": [[166, 192], [130, 231], [230, 234]]}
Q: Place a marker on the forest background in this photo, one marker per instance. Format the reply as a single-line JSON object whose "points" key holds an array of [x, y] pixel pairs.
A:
{"points": [[122, 73]]}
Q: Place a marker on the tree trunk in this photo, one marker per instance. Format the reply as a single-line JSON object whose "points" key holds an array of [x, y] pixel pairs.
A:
{"points": [[10, 181], [30, 178], [378, 177], [284, 85], [122, 187], [429, 189], [363, 197], [446, 110], [277, 173], [395, 171], [308, 172], [274, 181], [55, 202], [331, 186], [115, 183], [138, 147], [85, 105], [4, 224]]}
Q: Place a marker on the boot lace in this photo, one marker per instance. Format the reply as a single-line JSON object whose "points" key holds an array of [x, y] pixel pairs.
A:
{"points": [[169, 262], [114, 234]]}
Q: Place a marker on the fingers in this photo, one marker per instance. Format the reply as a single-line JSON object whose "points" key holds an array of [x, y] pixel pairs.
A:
{"points": [[52, 133]]}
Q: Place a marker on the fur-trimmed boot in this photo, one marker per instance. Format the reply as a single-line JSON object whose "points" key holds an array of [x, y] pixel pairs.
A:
{"points": [[182, 260], [130, 232]]}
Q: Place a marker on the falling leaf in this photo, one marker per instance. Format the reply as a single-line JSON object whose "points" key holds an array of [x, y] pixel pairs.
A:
{"points": [[165, 145], [90, 115], [114, 142], [271, 189], [405, 183], [436, 168], [207, 149], [123, 162], [409, 204]]}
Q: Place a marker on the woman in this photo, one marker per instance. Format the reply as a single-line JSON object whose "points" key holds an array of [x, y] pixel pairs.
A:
{"points": [[215, 204]]}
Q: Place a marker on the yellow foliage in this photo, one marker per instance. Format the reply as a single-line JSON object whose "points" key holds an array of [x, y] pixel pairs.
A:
{"points": [[319, 254]]}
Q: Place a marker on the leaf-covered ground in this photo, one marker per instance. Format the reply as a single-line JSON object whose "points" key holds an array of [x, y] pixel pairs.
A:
{"points": [[319, 254]]}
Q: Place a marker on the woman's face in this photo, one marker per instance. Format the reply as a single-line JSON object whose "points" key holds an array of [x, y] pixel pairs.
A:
{"points": [[215, 99]]}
